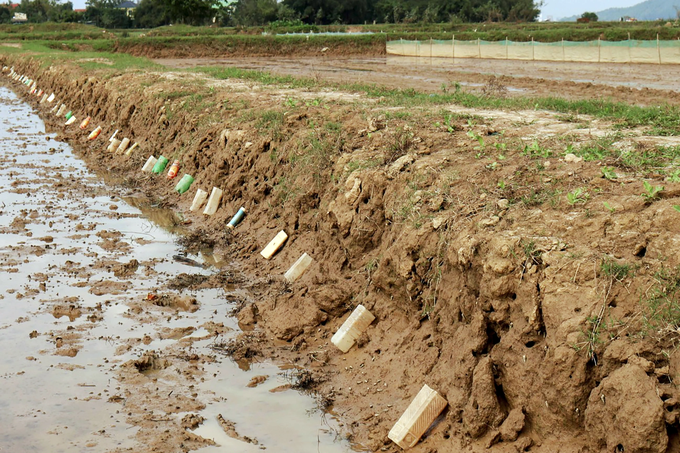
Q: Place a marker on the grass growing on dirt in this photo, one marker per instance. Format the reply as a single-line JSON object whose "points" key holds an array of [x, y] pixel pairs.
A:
{"points": [[106, 61], [661, 120], [661, 310]]}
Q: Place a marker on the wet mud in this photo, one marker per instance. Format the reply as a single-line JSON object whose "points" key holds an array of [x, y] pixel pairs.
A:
{"points": [[107, 324]]}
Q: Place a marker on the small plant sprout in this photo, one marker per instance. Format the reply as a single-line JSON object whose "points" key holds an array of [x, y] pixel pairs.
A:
{"points": [[579, 195], [609, 207], [675, 176], [608, 173], [475, 136], [651, 192]]}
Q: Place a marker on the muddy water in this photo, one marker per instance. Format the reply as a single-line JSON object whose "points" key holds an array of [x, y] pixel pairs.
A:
{"points": [[68, 282]]}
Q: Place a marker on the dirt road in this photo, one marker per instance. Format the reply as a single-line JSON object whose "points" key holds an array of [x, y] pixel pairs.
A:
{"points": [[634, 83]]}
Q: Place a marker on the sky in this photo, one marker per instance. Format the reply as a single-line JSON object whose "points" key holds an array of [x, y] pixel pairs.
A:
{"points": [[561, 8], [555, 8]]}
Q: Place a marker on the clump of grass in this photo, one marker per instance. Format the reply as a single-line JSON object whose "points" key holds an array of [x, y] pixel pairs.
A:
{"points": [[661, 310], [614, 270], [400, 145]]}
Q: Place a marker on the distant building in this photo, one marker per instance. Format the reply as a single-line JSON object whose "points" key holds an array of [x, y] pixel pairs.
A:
{"points": [[129, 7], [19, 18]]}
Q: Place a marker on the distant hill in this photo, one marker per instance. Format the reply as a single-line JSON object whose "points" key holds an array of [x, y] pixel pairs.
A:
{"points": [[649, 10]]}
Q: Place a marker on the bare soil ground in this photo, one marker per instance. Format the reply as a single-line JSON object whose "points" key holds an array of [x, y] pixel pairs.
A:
{"points": [[534, 290], [643, 84]]}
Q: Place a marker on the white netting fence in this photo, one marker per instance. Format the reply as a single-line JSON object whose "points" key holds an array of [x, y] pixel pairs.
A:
{"points": [[630, 51]]}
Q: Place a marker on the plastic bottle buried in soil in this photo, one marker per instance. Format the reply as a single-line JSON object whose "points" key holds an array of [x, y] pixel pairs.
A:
{"points": [[299, 268], [123, 145], [50, 98], [69, 115], [184, 184], [174, 169], [95, 133], [60, 110], [199, 198], [113, 145], [114, 135], [161, 163], [213, 201], [44, 98], [70, 121], [151, 161], [238, 217], [85, 123], [419, 415], [352, 328], [274, 245], [132, 148]]}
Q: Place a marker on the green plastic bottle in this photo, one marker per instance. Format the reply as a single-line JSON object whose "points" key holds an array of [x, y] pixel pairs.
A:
{"points": [[160, 165], [184, 184], [69, 115]]}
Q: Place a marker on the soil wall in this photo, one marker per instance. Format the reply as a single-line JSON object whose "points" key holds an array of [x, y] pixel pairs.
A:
{"points": [[505, 309]]}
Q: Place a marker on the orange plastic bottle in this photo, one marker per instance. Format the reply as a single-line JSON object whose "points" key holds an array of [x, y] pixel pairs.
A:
{"points": [[174, 169]]}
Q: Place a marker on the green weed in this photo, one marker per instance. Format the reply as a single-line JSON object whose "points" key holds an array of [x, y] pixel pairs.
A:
{"points": [[578, 195], [536, 150], [651, 192], [608, 173], [661, 310]]}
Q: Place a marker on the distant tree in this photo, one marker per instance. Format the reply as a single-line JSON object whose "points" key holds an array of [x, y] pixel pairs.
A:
{"points": [[152, 13], [255, 12], [5, 15], [192, 12], [592, 17]]}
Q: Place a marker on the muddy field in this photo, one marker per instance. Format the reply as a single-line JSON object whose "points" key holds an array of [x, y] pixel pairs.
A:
{"points": [[521, 263], [644, 84]]}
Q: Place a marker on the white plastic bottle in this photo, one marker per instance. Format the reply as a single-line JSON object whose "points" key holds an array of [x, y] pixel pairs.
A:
{"points": [[419, 415], [113, 145], [352, 328], [199, 198], [299, 268], [213, 201], [151, 161], [274, 245], [123, 146]]}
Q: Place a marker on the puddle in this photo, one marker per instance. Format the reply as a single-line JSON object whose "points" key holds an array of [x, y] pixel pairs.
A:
{"points": [[77, 264]]}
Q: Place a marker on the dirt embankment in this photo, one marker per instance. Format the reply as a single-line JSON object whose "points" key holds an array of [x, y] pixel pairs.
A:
{"points": [[535, 295], [235, 46]]}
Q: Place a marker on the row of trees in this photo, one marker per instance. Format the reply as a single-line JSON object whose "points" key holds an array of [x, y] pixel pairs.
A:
{"points": [[41, 11], [153, 13]]}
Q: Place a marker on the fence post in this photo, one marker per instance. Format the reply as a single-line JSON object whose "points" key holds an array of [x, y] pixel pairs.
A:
{"points": [[453, 47], [598, 50], [630, 56], [479, 48], [658, 47]]}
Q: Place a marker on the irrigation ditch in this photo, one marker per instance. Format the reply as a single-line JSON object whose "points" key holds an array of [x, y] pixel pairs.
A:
{"points": [[520, 263]]}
